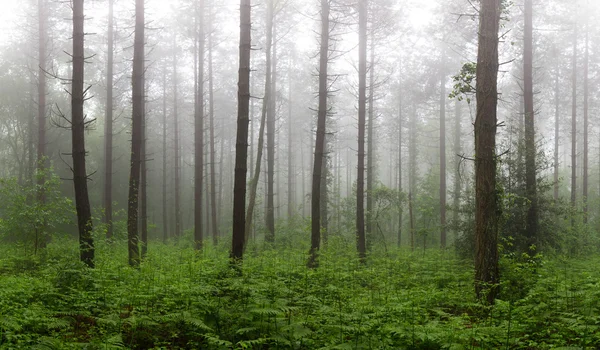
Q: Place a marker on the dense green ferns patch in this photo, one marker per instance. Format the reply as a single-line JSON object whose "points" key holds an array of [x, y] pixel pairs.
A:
{"points": [[180, 299]]}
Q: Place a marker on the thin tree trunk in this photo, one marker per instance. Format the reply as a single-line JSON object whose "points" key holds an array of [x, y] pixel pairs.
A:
{"points": [[136, 133], [362, 99], [486, 207], [586, 93], [108, 131], [241, 149], [290, 154], [324, 190], [263, 119], [457, 152], [164, 158], [270, 213], [42, 60], [316, 202], [199, 135], [213, 188], [144, 187], [443, 189], [400, 205], [556, 126], [574, 131], [370, 144], [412, 185], [78, 95], [530, 152], [176, 143]]}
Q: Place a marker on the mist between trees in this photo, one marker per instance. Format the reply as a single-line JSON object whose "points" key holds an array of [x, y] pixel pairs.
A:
{"points": [[377, 128]]}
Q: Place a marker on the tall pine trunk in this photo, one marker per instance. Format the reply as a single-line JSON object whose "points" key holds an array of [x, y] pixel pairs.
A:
{"points": [[443, 189], [272, 108], [574, 130], [108, 130], [315, 237], [241, 147], [199, 135], [176, 146], [165, 217], [486, 196], [78, 96], [213, 186], [586, 94], [530, 168], [362, 99], [137, 84]]}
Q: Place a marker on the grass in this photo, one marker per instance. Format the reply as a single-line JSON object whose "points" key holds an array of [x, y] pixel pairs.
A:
{"points": [[182, 299]]}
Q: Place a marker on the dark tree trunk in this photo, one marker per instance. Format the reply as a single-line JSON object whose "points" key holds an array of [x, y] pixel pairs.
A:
{"points": [[362, 99], [42, 59], [290, 154], [108, 131], [574, 130], [443, 189], [270, 213], [530, 152], [315, 237], [165, 217], [199, 135], [400, 211], [82, 201], [556, 125], [325, 191], [486, 196], [144, 187], [457, 152], [213, 180], [412, 185], [241, 147], [176, 147], [137, 83], [586, 93], [263, 121], [370, 144]]}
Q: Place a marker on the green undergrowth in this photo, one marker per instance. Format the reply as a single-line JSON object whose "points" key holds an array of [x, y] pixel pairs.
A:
{"points": [[179, 299]]}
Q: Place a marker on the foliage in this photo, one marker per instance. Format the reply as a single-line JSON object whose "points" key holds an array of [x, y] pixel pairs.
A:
{"points": [[26, 219], [399, 300]]}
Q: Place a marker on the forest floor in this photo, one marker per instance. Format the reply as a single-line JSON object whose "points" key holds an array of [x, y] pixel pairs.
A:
{"points": [[179, 299]]}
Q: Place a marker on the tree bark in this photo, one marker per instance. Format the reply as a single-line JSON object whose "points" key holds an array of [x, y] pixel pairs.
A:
{"points": [[370, 143], [137, 83], [315, 237], [211, 94], [199, 135], [42, 60], [165, 217], [82, 201], [486, 196], [263, 121], [556, 125], [108, 131], [574, 130], [176, 144], [443, 189], [362, 99], [241, 148], [144, 186], [586, 94], [270, 213], [290, 154], [530, 151], [457, 152]]}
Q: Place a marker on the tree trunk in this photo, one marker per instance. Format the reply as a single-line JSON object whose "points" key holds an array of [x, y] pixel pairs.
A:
{"points": [[213, 180], [108, 131], [270, 213], [137, 83], [290, 154], [486, 196], [241, 148], [370, 144], [574, 131], [443, 189], [263, 119], [324, 190], [586, 93], [199, 135], [315, 237], [82, 201], [556, 125], [362, 99], [176, 142], [412, 185], [530, 151], [400, 206], [144, 186], [457, 152], [42, 57], [165, 217]]}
